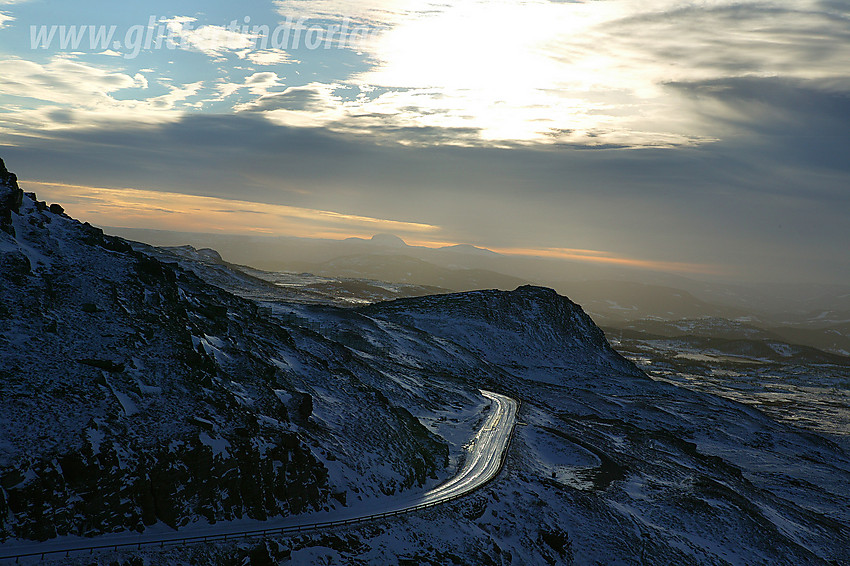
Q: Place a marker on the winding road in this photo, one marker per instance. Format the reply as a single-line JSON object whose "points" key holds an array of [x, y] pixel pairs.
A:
{"points": [[484, 460], [486, 452]]}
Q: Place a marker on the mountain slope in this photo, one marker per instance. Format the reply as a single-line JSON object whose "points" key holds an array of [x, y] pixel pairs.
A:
{"points": [[177, 401], [137, 393]]}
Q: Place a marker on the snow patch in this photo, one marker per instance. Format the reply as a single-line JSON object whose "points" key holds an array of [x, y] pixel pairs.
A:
{"points": [[219, 446]]}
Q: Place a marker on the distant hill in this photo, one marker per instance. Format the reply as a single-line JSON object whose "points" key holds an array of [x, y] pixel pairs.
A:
{"points": [[610, 293], [406, 269], [626, 301]]}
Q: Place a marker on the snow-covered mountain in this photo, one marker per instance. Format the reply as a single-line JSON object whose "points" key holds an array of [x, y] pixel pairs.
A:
{"points": [[145, 389], [135, 393], [532, 328]]}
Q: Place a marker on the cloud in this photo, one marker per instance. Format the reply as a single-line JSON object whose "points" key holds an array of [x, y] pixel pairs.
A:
{"points": [[157, 210], [133, 208], [757, 209], [589, 74], [704, 133], [312, 105], [503, 74], [376, 12], [299, 99], [257, 84], [87, 95], [62, 80], [372, 120], [800, 121], [607, 258], [774, 104], [803, 40], [266, 57], [177, 93], [211, 40], [260, 83], [238, 38], [5, 18]]}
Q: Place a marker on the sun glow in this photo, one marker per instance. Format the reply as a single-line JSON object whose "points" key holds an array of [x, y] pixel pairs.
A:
{"points": [[135, 208], [603, 257], [498, 73], [493, 68]]}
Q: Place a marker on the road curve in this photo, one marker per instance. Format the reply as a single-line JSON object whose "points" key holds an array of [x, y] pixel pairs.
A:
{"points": [[484, 459], [486, 454]]}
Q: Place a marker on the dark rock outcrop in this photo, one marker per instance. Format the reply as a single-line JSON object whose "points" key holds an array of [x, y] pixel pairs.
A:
{"points": [[513, 328], [11, 198]]}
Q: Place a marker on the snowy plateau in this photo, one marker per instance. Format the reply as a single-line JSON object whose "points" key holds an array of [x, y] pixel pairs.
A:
{"points": [[150, 391]]}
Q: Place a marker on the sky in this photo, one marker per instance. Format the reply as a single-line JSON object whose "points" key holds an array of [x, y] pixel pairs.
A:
{"points": [[707, 138]]}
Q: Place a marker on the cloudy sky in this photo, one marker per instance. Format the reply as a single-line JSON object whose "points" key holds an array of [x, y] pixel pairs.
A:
{"points": [[706, 138]]}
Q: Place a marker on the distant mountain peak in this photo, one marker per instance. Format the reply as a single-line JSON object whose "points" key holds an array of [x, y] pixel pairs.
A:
{"points": [[389, 240], [468, 249]]}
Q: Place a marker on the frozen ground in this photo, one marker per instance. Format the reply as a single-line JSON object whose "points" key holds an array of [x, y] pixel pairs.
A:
{"points": [[813, 396]]}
